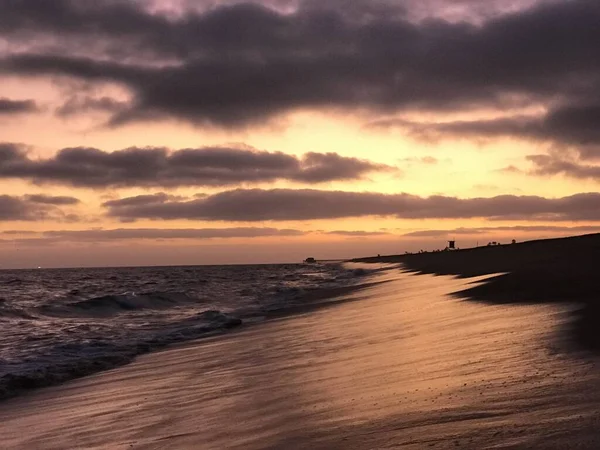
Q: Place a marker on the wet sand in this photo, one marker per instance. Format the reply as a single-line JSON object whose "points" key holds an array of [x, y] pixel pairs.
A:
{"points": [[561, 270], [405, 365]]}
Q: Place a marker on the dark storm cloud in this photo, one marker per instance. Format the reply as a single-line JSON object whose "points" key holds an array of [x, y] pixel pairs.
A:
{"points": [[306, 204], [8, 106], [245, 63], [209, 166], [35, 208]]}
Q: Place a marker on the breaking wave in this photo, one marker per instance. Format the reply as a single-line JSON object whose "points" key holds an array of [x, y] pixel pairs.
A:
{"points": [[109, 305], [69, 360]]}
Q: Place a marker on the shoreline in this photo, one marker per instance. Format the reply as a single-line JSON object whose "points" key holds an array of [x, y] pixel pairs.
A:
{"points": [[561, 270], [441, 351], [408, 365], [217, 324]]}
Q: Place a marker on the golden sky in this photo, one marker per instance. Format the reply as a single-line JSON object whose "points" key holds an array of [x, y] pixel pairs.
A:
{"points": [[134, 133]]}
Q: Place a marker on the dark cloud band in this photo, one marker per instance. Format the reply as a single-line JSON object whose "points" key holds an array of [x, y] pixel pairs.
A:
{"points": [[573, 126], [149, 167], [8, 106], [244, 63], [35, 208], [554, 164], [307, 204]]}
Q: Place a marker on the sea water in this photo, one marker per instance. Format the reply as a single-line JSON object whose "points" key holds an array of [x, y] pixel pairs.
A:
{"points": [[58, 324]]}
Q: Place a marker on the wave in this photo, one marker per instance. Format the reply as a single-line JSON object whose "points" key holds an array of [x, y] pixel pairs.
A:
{"points": [[71, 360], [6, 312], [86, 327], [110, 305], [11, 313]]}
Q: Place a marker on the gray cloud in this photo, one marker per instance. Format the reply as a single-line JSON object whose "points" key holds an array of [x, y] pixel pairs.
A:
{"points": [[52, 200], [242, 64], [8, 106], [35, 208], [553, 164], [576, 126], [521, 126], [306, 204], [151, 166], [77, 105]]}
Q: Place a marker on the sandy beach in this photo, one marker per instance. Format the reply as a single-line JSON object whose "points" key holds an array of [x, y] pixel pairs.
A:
{"points": [[299, 224], [399, 364], [544, 271]]}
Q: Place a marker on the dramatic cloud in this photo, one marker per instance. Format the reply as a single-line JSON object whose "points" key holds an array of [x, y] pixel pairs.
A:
{"points": [[146, 167], [553, 164], [12, 208], [35, 208], [306, 204], [244, 63], [577, 127], [8, 106]]}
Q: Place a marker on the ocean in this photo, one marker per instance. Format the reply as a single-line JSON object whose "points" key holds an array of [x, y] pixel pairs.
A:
{"points": [[60, 324]]}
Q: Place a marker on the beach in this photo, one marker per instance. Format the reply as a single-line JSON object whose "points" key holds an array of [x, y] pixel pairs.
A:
{"points": [[544, 271], [403, 362], [299, 224]]}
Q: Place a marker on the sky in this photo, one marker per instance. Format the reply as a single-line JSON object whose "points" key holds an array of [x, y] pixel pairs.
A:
{"points": [[213, 132]]}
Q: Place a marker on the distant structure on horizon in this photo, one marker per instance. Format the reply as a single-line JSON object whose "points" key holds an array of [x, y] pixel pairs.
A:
{"points": [[310, 260], [451, 245]]}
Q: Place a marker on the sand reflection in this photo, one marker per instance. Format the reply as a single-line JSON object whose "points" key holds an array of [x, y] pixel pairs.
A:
{"points": [[406, 365]]}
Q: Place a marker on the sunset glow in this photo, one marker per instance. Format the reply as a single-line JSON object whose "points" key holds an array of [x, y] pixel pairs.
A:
{"points": [[159, 133]]}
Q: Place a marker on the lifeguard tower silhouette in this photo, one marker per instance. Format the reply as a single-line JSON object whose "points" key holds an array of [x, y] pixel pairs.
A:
{"points": [[452, 245]]}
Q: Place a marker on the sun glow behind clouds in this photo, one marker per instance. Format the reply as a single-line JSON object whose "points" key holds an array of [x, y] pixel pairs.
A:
{"points": [[456, 105]]}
